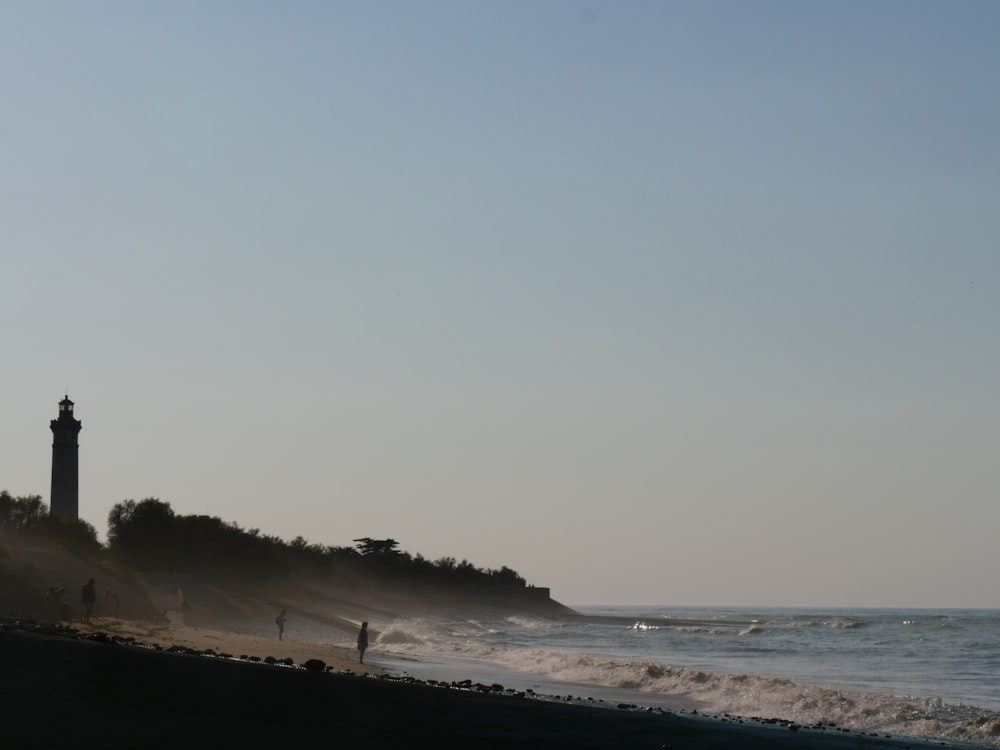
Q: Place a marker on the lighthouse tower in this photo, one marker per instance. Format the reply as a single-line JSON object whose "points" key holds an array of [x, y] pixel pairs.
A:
{"points": [[65, 498]]}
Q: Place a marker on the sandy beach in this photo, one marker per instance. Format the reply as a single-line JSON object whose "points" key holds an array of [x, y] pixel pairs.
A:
{"points": [[122, 683], [167, 635]]}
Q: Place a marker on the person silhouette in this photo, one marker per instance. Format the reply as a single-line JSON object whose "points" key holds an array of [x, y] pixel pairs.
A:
{"points": [[280, 622], [88, 595], [363, 640]]}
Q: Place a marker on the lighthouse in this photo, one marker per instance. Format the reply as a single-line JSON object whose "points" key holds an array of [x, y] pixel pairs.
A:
{"points": [[65, 498]]}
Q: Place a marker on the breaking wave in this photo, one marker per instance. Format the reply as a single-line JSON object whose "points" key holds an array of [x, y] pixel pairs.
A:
{"points": [[764, 697], [863, 670]]}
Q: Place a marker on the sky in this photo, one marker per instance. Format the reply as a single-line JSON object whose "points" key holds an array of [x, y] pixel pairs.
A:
{"points": [[671, 302]]}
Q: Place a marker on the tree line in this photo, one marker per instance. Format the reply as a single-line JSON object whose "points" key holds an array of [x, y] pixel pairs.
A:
{"points": [[28, 517], [149, 535]]}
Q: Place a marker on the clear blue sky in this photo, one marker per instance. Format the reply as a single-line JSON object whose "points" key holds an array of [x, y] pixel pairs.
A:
{"points": [[653, 302]]}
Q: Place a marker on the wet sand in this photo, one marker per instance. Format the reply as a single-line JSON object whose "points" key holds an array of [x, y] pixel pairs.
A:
{"points": [[99, 687]]}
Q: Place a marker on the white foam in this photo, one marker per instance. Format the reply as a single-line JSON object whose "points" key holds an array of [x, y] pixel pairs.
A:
{"points": [[751, 695], [656, 684], [561, 658]]}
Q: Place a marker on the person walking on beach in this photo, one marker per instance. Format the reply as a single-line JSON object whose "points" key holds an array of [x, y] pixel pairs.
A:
{"points": [[280, 622], [88, 595], [363, 640]]}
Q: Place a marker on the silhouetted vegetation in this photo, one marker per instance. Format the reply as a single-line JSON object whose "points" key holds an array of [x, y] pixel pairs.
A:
{"points": [[148, 534], [28, 518]]}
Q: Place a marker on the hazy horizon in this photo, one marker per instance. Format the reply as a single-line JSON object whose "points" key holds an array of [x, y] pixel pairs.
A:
{"points": [[664, 303]]}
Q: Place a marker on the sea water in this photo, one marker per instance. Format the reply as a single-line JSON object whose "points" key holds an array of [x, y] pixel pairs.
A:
{"points": [[928, 673]]}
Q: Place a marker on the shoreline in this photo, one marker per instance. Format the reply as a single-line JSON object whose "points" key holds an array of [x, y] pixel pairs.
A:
{"points": [[69, 683]]}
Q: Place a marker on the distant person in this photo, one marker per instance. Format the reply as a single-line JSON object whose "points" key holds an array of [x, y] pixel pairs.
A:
{"points": [[88, 595], [363, 641], [280, 622]]}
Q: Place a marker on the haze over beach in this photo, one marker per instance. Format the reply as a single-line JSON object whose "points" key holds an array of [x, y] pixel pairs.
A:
{"points": [[678, 303]]}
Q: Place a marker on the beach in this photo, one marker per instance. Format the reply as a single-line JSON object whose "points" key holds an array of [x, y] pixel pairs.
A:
{"points": [[122, 683]]}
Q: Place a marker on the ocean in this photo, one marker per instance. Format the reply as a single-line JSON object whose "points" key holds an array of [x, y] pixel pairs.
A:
{"points": [[921, 673]]}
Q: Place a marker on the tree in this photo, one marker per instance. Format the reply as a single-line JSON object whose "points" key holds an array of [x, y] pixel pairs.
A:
{"points": [[369, 546], [508, 577], [142, 531], [22, 512], [74, 533]]}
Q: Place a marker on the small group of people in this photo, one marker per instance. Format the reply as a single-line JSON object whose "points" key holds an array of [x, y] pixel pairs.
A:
{"points": [[59, 608], [362, 634]]}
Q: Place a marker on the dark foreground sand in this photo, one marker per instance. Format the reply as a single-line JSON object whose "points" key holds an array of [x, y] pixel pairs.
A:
{"points": [[93, 689]]}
